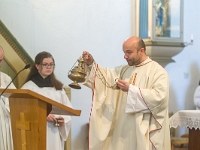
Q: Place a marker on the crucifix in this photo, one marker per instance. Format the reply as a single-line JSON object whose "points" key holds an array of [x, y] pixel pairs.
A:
{"points": [[23, 126]]}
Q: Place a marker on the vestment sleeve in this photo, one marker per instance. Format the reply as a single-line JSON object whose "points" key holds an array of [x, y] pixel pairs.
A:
{"points": [[135, 102], [64, 130], [6, 80], [90, 72], [4, 105]]}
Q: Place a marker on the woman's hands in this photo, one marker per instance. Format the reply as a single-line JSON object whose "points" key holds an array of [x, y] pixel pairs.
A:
{"points": [[59, 121]]}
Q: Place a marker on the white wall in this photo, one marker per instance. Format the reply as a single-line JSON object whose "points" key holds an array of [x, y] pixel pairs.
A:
{"points": [[185, 72], [66, 28]]}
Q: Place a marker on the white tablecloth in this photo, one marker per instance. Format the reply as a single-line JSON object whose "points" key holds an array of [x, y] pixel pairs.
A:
{"points": [[185, 118]]}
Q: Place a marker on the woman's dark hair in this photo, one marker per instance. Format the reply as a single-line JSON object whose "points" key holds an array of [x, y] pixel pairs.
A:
{"points": [[38, 60]]}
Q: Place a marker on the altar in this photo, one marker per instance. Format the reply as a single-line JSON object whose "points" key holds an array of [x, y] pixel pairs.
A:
{"points": [[189, 119]]}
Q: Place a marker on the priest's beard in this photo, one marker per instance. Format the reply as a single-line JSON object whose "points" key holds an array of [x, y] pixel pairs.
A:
{"points": [[133, 61]]}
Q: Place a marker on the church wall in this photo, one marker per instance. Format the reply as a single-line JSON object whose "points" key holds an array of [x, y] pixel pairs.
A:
{"points": [[184, 73]]}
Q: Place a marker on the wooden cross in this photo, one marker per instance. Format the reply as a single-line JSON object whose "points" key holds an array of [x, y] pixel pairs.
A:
{"points": [[23, 126]]}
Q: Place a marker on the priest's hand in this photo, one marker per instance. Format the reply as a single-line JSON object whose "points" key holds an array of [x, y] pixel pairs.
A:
{"points": [[123, 85], [88, 59]]}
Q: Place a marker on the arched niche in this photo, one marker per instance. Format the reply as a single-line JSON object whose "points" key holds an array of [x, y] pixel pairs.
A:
{"points": [[15, 57], [160, 24]]}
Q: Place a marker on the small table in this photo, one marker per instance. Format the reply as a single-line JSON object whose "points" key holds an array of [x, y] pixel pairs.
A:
{"points": [[189, 119]]}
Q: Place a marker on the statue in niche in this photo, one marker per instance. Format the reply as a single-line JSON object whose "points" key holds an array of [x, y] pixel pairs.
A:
{"points": [[160, 13]]}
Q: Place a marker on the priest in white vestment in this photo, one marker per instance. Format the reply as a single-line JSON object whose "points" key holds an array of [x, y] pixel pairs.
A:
{"points": [[43, 81], [6, 142], [133, 116]]}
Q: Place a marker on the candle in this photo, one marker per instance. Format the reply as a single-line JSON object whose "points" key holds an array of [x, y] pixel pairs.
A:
{"points": [[192, 37], [149, 34]]}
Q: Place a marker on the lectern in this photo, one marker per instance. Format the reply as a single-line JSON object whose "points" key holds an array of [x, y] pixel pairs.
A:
{"points": [[28, 111]]}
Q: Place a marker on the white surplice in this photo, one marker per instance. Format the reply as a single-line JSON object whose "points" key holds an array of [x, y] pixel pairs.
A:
{"points": [[55, 135], [133, 120], [6, 142], [197, 98]]}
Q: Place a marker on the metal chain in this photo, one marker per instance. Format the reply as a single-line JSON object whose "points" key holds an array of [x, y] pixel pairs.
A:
{"points": [[103, 80]]}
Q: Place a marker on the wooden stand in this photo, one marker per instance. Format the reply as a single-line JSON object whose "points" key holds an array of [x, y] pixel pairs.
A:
{"points": [[28, 111], [194, 138]]}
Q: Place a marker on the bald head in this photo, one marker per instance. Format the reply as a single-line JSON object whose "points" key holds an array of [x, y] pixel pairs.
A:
{"points": [[135, 42], [134, 50], [1, 49]]}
